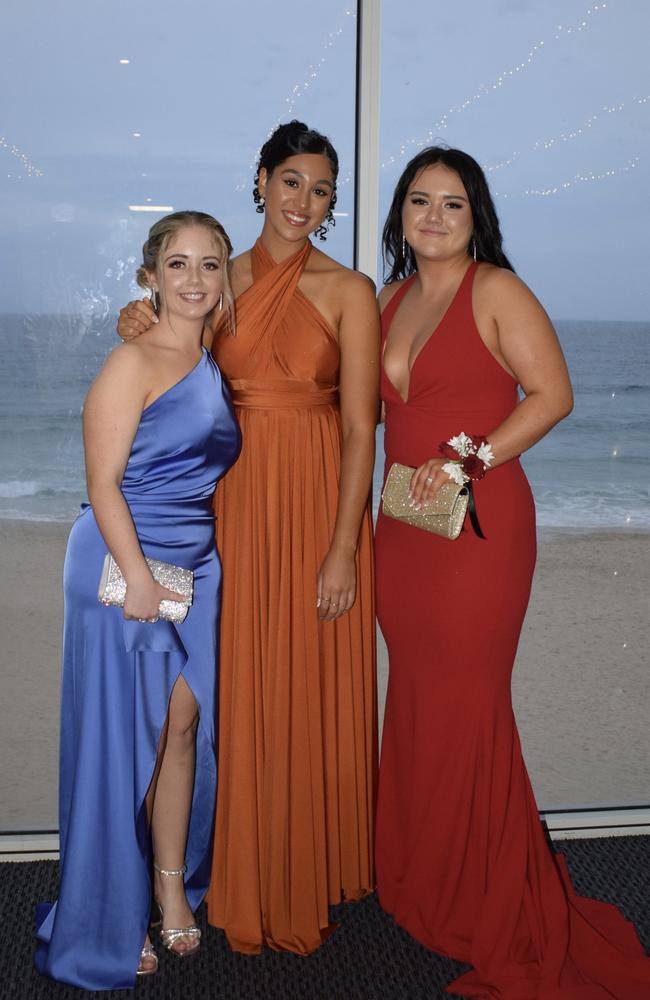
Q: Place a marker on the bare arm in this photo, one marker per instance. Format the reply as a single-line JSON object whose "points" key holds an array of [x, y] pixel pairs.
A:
{"points": [[527, 345], [522, 338], [111, 416], [359, 393]]}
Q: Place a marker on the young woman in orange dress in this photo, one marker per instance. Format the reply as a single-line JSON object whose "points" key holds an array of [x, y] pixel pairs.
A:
{"points": [[297, 711]]}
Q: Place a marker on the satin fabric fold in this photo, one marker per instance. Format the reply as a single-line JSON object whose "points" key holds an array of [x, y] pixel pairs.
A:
{"points": [[297, 730], [462, 861], [118, 677]]}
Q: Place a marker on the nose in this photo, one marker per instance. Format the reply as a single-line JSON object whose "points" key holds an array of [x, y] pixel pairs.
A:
{"points": [[433, 212], [302, 197]]}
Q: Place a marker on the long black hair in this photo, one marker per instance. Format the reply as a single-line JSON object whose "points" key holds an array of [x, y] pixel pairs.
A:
{"points": [[292, 139], [400, 261]]}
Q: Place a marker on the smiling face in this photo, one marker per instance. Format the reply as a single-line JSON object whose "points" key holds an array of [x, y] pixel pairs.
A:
{"points": [[189, 275], [436, 215], [297, 195]]}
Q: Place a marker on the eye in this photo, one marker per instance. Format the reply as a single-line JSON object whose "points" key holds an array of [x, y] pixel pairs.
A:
{"points": [[211, 265], [291, 182], [417, 200], [454, 204], [177, 264], [321, 193]]}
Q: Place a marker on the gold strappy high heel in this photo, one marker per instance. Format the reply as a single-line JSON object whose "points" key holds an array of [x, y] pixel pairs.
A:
{"points": [[171, 935], [148, 952]]}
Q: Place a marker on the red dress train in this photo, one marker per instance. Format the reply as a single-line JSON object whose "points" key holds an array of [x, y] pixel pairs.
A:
{"points": [[462, 861]]}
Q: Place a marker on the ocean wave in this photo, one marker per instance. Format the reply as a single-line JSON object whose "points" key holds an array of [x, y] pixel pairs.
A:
{"points": [[16, 488]]}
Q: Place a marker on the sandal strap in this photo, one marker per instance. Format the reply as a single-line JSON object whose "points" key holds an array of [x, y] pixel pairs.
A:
{"points": [[170, 871], [171, 935]]}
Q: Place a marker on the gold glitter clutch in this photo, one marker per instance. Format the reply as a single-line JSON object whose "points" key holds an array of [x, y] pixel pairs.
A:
{"points": [[443, 516], [112, 587]]}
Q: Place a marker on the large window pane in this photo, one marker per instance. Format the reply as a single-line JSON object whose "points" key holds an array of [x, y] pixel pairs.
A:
{"points": [[117, 105], [553, 99]]}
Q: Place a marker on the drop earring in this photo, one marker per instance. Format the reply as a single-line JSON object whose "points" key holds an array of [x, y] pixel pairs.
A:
{"points": [[474, 250], [404, 246], [262, 202], [154, 300], [220, 301]]}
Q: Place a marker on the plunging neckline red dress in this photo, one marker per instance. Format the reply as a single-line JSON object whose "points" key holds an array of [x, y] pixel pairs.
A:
{"points": [[462, 861]]}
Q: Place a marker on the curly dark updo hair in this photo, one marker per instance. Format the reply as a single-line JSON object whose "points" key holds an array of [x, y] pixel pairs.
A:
{"points": [[399, 261], [292, 139]]}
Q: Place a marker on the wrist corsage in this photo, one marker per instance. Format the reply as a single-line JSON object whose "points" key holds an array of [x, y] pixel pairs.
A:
{"points": [[471, 457]]}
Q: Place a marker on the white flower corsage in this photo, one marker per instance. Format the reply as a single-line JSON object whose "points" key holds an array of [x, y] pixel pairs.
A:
{"points": [[470, 457]]}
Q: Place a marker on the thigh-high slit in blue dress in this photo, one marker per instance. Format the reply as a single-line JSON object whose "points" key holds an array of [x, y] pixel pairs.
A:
{"points": [[117, 680]]}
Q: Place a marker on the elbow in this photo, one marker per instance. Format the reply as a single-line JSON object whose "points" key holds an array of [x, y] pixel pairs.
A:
{"points": [[566, 403]]}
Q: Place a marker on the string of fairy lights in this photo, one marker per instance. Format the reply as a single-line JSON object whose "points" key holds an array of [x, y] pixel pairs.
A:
{"points": [[29, 168], [550, 142], [504, 77], [409, 145], [301, 87]]}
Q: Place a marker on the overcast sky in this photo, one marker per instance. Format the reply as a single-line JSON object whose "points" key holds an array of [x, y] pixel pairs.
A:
{"points": [[550, 97]]}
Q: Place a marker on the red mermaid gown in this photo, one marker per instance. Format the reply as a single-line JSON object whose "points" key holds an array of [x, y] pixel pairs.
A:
{"points": [[462, 861]]}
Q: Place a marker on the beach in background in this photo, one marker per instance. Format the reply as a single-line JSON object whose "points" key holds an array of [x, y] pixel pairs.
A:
{"points": [[580, 683]]}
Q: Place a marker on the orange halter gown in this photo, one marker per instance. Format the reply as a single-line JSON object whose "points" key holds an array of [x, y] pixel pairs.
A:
{"points": [[297, 716]]}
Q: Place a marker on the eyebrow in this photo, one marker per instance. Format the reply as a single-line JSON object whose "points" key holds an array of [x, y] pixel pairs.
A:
{"points": [[425, 194], [185, 256], [290, 170]]}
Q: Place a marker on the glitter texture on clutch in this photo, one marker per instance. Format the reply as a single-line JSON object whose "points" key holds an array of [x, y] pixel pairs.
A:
{"points": [[112, 587], [443, 516]]}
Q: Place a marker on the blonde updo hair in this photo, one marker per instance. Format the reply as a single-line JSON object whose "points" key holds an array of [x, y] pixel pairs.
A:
{"points": [[159, 238]]}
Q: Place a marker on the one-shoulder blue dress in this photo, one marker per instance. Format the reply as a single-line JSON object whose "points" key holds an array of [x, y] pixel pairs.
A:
{"points": [[117, 680]]}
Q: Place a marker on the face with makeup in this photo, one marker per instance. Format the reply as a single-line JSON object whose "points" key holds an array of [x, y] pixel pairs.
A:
{"points": [[189, 273], [297, 195], [436, 215]]}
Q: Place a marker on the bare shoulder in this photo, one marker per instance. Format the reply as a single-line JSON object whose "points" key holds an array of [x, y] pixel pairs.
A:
{"points": [[348, 284], [388, 291], [497, 288], [241, 272], [126, 367]]}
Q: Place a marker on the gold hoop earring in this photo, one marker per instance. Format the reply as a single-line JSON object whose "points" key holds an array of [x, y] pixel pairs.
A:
{"points": [[155, 301]]}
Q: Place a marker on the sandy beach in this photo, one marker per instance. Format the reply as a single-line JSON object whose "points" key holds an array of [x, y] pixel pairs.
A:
{"points": [[580, 682]]}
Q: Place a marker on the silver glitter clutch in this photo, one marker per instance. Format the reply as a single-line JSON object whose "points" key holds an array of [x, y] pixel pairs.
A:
{"points": [[112, 587], [443, 516]]}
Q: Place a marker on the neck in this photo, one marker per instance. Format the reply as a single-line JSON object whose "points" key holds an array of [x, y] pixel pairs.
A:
{"points": [[278, 248], [181, 334], [432, 274]]}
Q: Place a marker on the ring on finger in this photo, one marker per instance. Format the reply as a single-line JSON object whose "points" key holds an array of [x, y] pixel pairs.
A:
{"points": [[429, 480]]}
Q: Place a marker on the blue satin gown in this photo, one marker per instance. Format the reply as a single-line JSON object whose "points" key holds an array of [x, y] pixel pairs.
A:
{"points": [[117, 680]]}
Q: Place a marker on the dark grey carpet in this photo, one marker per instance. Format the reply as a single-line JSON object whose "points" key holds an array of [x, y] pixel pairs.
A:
{"points": [[368, 958]]}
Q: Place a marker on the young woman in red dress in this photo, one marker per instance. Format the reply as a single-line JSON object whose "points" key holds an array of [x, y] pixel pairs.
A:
{"points": [[462, 862]]}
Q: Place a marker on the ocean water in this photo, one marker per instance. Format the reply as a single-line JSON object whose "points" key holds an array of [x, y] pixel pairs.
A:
{"points": [[591, 472]]}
